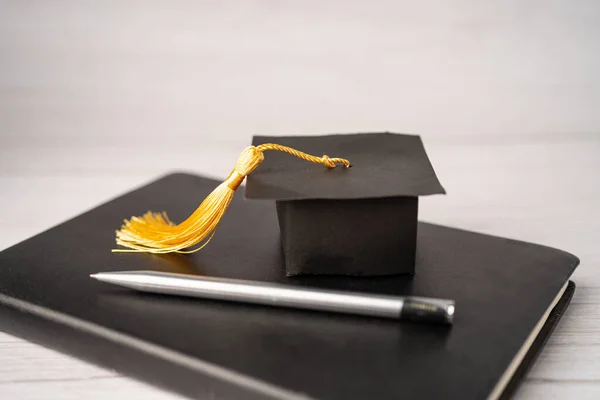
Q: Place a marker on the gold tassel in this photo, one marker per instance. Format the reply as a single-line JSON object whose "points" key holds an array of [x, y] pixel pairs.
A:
{"points": [[155, 233]]}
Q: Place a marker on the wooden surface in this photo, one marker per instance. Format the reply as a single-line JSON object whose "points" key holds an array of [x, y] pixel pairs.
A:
{"points": [[98, 98]]}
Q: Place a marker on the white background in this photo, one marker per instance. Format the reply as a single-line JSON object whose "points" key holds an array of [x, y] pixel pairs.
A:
{"points": [[97, 97]]}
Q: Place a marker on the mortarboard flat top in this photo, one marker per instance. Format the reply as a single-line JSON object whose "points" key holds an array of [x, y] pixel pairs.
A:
{"points": [[383, 165]]}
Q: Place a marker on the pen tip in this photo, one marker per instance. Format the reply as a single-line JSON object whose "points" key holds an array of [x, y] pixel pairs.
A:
{"points": [[94, 276]]}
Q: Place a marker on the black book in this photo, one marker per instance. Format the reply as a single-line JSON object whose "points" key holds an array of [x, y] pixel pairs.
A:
{"points": [[509, 296]]}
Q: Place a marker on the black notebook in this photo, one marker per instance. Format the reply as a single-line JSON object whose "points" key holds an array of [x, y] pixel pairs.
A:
{"points": [[509, 296]]}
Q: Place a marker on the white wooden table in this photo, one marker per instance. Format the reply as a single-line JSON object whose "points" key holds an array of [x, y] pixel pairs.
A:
{"points": [[97, 98]]}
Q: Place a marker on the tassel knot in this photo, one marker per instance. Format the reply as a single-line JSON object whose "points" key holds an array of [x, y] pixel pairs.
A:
{"points": [[249, 160], [327, 161]]}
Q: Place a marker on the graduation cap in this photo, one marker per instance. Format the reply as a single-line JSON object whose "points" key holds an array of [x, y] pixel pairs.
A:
{"points": [[356, 221], [355, 215]]}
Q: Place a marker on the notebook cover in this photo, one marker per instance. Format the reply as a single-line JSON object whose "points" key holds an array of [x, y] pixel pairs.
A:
{"points": [[539, 342], [201, 348]]}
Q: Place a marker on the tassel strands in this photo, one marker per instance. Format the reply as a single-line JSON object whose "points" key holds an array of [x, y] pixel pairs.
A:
{"points": [[155, 233]]}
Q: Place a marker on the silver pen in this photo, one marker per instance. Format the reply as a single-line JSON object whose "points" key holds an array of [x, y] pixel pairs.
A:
{"points": [[412, 308]]}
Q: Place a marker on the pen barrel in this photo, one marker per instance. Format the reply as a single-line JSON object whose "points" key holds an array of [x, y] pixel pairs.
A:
{"points": [[276, 295], [413, 308]]}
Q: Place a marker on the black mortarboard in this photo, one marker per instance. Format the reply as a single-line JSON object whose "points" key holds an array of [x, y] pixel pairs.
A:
{"points": [[356, 221], [334, 219]]}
